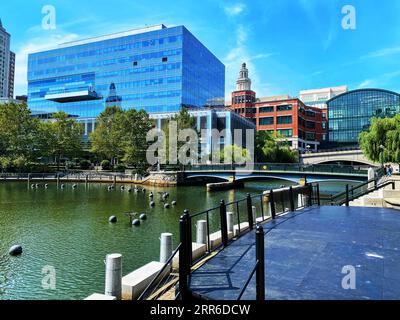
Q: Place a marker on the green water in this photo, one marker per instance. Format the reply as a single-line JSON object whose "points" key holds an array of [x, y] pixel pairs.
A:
{"points": [[69, 230]]}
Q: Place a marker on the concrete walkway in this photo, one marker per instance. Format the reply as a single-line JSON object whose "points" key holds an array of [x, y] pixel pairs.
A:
{"points": [[305, 254]]}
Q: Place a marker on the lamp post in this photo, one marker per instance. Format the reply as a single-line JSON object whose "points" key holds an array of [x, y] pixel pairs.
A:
{"points": [[382, 148]]}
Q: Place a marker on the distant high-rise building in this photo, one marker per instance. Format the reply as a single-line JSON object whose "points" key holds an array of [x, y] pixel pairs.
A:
{"points": [[11, 75], [319, 97], [7, 65]]}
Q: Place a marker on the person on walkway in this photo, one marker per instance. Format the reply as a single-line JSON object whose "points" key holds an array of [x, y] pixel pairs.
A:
{"points": [[386, 170], [390, 170]]}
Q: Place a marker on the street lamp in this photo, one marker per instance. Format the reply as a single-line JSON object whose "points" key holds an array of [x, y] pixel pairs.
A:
{"points": [[382, 147]]}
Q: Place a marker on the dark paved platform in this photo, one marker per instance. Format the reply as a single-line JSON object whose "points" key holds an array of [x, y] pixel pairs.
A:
{"points": [[305, 253]]}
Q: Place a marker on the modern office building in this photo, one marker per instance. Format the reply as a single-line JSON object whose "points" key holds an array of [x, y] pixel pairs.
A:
{"points": [[7, 65], [319, 97], [304, 127], [212, 118], [350, 113], [157, 69], [11, 100]]}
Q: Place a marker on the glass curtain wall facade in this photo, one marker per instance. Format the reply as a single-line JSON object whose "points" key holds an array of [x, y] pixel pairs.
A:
{"points": [[351, 113], [157, 69]]}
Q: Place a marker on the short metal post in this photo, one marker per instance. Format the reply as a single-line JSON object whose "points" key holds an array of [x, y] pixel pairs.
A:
{"points": [[165, 247], [224, 223], [260, 272], [229, 217], [291, 199], [347, 195], [201, 232], [184, 266], [272, 204], [113, 281], [250, 212]]}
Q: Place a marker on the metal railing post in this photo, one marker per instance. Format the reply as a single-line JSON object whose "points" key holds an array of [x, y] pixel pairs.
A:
{"points": [[250, 212], [318, 196], [184, 265], [291, 199], [272, 204], [224, 223], [310, 194], [347, 195], [260, 272]]}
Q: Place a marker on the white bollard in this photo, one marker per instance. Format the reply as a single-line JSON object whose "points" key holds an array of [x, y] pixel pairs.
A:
{"points": [[371, 175], [136, 177], [113, 275], [301, 200], [201, 232], [165, 247], [229, 220], [254, 211]]}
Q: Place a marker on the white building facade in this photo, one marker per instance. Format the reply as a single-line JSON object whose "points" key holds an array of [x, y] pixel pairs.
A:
{"points": [[7, 65], [319, 97]]}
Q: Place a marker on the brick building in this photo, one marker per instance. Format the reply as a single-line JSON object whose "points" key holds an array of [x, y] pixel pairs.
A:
{"points": [[304, 127]]}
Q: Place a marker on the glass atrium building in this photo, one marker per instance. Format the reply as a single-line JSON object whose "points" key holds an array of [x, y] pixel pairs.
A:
{"points": [[351, 113], [157, 69]]}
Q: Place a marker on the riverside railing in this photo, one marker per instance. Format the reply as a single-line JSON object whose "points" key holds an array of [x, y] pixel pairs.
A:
{"points": [[268, 167], [73, 176], [216, 229], [353, 193]]}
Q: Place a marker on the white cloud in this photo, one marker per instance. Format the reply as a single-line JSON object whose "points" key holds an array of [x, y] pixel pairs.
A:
{"points": [[365, 84], [234, 59], [382, 53], [235, 9], [380, 81], [34, 45]]}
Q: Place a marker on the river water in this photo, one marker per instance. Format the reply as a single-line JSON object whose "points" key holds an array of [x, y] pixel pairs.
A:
{"points": [[68, 230]]}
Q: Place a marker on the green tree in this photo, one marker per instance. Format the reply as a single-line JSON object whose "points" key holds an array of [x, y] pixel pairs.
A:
{"points": [[18, 134], [136, 124], [269, 149], [383, 132], [61, 137], [107, 140], [234, 154], [183, 121]]}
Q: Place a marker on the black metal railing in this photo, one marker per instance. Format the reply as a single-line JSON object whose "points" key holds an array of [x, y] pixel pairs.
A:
{"points": [[259, 267], [161, 278], [220, 233], [353, 193], [270, 167]]}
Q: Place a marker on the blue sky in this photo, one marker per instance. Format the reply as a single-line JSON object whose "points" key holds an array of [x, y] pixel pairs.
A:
{"points": [[289, 45]]}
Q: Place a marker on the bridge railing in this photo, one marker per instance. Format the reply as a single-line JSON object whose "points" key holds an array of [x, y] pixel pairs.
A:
{"points": [[270, 167], [217, 227]]}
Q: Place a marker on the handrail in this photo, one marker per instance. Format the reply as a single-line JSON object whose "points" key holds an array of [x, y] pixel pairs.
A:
{"points": [[353, 189], [369, 190], [151, 284], [248, 280]]}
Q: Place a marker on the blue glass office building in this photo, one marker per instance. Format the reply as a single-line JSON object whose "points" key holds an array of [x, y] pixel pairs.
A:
{"points": [[157, 69], [351, 113]]}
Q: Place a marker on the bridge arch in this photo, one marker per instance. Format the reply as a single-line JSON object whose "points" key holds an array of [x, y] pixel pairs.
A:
{"points": [[360, 162]]}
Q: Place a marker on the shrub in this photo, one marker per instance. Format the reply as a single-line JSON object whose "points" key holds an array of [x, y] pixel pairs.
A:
{"points": [[85, 164], [105, 165], [120, 168]]}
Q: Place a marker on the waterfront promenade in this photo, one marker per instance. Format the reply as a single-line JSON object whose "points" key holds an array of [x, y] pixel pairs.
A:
{"points": [[305, 253]]}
